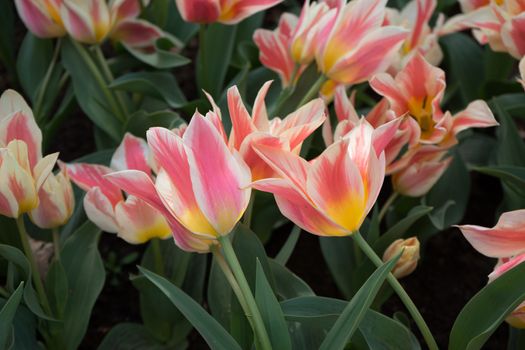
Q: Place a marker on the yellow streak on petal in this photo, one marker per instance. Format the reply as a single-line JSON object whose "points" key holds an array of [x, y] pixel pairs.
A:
{"points": [[348, 211], [193, 219], [159, 229], [421, 111], [334, 50]]}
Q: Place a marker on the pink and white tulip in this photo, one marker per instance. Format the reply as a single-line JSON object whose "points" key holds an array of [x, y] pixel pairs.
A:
{"points": [[407, 263], [23, 170], [222, 11], [56, 202], [42, 17], [331, 195], [133, 219], [352, 43]]}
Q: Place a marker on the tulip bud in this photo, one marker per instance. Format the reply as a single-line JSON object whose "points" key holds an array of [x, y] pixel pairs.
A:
{"points": [[408, 261], [41, 17]]}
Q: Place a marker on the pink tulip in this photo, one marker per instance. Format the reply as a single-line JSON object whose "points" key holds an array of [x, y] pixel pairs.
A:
{"points": [[22, 169], [331, 195], [352, 43], [202, 187], [131, 218], [56, 202], [287, 133], [42, 17], [222, 11]]}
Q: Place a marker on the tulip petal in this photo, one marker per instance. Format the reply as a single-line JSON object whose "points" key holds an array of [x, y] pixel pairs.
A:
{"points": [[21, 126], [137, 34], [86, 21], [38, 19], [138, 222], [199, 11], [476, 115], [335, 185], [232, 12], [124, 9], [259, 113], [259, 168], [505, 239], [132, 153], [500, 269], [44, 168], [219, 178], [344, 109], [242, 124], [298, 209], [99, 210], [513, 35]]}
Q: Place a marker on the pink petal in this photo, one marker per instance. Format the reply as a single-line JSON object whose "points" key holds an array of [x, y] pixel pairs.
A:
{"points": [[344, 109], [242, 124], [132, 153], [124, 9], [219, 178], [38, 19], [199, 11], [500, 269], [259, 113], [137, 34], [513, 35], [100, 210], [258, 167], [335, 185], [298, 209], [505, 239], [87, 22], [476, 115], [384, 134], [232, 12]]}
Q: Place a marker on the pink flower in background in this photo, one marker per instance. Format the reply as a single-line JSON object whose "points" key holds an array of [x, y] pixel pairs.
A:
{"points": [[131, 218], [331, 195], [222, 11], [287, 133], [42, 17], [505, 241], [23, 170]]}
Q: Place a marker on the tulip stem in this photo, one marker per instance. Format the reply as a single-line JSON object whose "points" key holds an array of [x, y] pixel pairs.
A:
{"points": [[34, 268], [260, 331], [398, 288], [286, 93], [393, 196], [56, 243], [157, 256], [45, 82], [314, 90]]}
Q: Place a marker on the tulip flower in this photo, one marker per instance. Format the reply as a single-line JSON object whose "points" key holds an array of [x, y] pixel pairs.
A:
{"points": [[415, 17], [42, 17], [331, 195], [202, 186], [131, 218], [352, 43], [522, 72], [222, 11], [22, 169], [407, 263], [56, 202], [506, 241], [287, 133]]}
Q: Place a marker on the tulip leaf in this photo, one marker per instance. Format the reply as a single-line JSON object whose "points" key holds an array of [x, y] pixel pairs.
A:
{"points": [[287, 284], [7, 315], [204, 323], [511, 174], [271, 312], [161, 85], [340, 256], [126, 336], [288, 247], [85, 278], [487, 310], [141, 121], [57, 288], [24, 328], [31, 71], [164, 55], [349, 320]]}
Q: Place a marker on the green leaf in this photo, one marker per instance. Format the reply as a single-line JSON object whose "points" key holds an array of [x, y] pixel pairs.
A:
{"points": [[7, 315], [512, 174], [125, 336], [57, 288], [288, 246], [271, 312], [85, 277], [91, 90], [31, 71], [161, 85], [207, 326], [487, 310], [7, 36], [340, 256], [287, 284], [141, 121], [354, 312], [163, 57]]}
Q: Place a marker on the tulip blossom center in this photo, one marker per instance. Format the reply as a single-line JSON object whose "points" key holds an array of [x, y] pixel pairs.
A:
{"points": [[421, 111], [53, 11]]}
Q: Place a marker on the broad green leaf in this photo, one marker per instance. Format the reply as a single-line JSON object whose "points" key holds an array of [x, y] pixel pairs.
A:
{"points": [[57, 288], [354, 312], [287, 284], [271, 312], [487, 310], [85, 278], [141, 121], [340, 254], [31, 71], [207, 326], [161, 85], [165, 14], [7, 315], [511, 174], [91, 90], [125, 336]]}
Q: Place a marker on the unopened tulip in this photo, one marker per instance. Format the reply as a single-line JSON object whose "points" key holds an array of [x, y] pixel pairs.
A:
{"points": [[222, 11], [522, 72], [56, 202], [352, 43], [287, 133], [407, 263], [42, 17], [331, 195], [22, 168], [132, 219]]}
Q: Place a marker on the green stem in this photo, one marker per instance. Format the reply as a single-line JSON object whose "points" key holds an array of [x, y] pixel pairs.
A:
{"points": [[288, 247], [247, 218], [258, 324], [95, 71], [34, 268], [314, 90], [56, 243], [398, 288], [286, 93], [387, 205], [157, 256], [109, 76], [47, 77]]}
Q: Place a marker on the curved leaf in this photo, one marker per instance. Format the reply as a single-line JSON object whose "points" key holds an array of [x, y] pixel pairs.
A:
{"points": [[7, 315]]}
